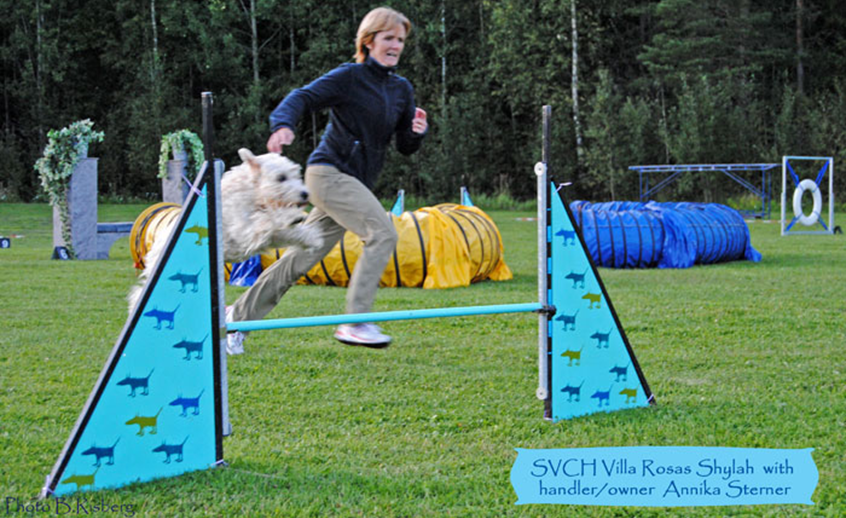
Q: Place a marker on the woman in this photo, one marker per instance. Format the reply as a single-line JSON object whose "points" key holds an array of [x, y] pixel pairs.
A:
{"points": [[369, 104]]}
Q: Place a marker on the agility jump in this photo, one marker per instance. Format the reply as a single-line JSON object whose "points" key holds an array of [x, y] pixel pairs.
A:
{"points": [[811, 186], [160, 406]]}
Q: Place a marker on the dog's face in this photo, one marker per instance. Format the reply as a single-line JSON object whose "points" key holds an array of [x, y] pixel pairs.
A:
{"points": [[278, 180]]}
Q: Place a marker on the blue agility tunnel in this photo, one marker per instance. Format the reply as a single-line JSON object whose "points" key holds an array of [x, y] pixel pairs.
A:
{"points": [[626, 234]]}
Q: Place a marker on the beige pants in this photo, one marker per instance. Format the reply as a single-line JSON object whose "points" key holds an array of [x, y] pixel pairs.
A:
{"points": [[341, 203]]}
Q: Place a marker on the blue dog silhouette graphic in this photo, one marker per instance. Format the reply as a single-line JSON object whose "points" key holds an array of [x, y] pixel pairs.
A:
{"points": [[107, 452], [568, 320], [162, 316], [188, 402], [620, 371], [567, 235], [136, 383], [191, 347], [603, 396], [573, 391], [171, 449], [602, 339], [577, 278], [187, 280]]}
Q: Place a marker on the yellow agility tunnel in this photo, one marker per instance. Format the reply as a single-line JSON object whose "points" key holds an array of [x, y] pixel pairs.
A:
{"points": [[153, 219], [444, 246]]}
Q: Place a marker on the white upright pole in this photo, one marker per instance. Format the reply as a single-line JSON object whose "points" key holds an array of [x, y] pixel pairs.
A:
{"points": [[783, 190], [831, 195], [542, 172], [219, 169]]}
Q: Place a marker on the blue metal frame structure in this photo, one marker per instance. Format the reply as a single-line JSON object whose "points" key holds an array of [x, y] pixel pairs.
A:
{"points": [[646, 190]]}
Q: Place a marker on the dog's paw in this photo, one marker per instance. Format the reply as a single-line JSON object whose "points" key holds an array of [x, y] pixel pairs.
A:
{"points": [[307, 237]]}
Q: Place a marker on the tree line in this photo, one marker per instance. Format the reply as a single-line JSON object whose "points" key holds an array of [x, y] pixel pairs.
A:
{"points": [[630, 81]]}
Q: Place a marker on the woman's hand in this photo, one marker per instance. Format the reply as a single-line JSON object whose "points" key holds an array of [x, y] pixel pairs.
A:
{"points": [[419, 125], [281, 137]]}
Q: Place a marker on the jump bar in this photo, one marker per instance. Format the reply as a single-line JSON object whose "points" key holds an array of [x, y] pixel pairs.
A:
{"points": [[356, 318]]}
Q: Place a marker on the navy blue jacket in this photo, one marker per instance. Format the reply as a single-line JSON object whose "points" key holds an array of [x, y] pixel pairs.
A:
{"points": [[369, 104]]}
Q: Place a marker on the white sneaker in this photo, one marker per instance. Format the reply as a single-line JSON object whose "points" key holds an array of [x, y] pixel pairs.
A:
{"points": [[367, 335], [235, 339]]}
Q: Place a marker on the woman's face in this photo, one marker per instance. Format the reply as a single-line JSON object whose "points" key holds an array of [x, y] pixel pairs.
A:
{"points": [[387, 46]]}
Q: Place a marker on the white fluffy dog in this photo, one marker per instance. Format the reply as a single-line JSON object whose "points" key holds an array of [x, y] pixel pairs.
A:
{"points": [[261, 202]]}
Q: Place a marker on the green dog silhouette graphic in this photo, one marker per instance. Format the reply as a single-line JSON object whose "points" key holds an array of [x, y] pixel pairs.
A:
{"points": [[574, 356], [146, 422], [594, 298], [81, 480], [630, 393], [202, 233]]}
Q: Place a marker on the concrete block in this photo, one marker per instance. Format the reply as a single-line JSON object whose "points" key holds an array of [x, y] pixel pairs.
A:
{"points": [[174, 187], [82, 206]]}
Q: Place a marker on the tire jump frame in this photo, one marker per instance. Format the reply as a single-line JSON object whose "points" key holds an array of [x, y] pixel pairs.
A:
{"points": [[811, 186], [160, 408]]}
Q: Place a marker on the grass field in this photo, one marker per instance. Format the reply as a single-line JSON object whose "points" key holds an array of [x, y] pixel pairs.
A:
{"points": [[738, 354]]}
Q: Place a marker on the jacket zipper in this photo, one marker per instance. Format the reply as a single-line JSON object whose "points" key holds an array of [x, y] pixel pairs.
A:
{"points": [[387, 107], [354, 149]]}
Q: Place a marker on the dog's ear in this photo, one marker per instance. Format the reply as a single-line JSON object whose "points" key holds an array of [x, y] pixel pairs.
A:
{"points": [[248, 157]]}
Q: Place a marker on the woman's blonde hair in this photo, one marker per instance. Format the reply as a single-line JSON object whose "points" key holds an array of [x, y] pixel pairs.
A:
{"points": [[377, 20]]}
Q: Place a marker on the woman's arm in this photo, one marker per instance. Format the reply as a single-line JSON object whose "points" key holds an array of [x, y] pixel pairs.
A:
{"points": [[412, 127], [323, 92]]}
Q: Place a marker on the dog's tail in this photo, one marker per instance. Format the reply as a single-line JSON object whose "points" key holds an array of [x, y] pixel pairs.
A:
{"points": [[150, 262]]}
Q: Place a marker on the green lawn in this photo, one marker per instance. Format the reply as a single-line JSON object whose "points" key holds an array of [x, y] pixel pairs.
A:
{"points": [[737, 354]]}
